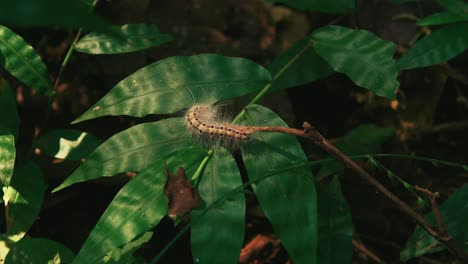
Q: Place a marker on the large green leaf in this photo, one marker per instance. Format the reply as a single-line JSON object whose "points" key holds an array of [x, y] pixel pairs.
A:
{"points": [[68, 144], [439, 46], [217, 235], [177, 82], [38, 251], [454, 212], [335, 226], [366, 59], [137, 208], [131, 37], [441, 18], [364, 139], [23, 199], [131, 150], [330, 6], [23, 62], [288, 199], [9, 117], [308, 68], [47, 13], [7, 155]]}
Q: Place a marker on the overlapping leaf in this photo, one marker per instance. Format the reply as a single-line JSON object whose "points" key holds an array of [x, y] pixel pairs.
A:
{"points": [[7, 155], [364, 139], [454, 213], [366, 59], [331, 6], [132, 150], [335, 226], [137, 208], [439, 46], [23, 62], [174, 83], [459, 7], [441, 18], [38, 251], [68, 144], [47, 13], [8, 112], [23, 198], [308, 68], [127, 38], [217, 235], [288, 199]]}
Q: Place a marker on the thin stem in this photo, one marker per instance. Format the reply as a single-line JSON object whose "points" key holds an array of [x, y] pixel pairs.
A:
{"points": [[268, 87], [202, 166], [312, 134]]}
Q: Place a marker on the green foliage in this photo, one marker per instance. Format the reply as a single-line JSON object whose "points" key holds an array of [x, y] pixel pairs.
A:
{"points": [[137, 208], [38, 251], [223, 243], [46, 13], [7, 155], [292, 191], [131, 150], [331, 6], [313, 227], [126, 38], [67, 144], [23, 62], [308, 68], [335, 226], [23, 199], [458, 7], [347, 51], [9, 117], [439, 46], [441, 18], [174, 83], [364, 139], [454, 212]]}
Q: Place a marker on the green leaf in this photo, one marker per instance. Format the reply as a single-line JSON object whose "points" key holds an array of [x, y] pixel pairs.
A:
{"points": [[22, 61], [48, 13], [335, 226], [454, 212], [38, 251], [308, 68], [439, 46], [366, 59], [440, 18], [125, 254], [7, 155], [137, 207], [9, 117], [330, 6], [175, 83], [68, 144], [458, 7], [23, 199], [218, 234], [131, 37], [132, 150], [364, 139], [288, 199]]}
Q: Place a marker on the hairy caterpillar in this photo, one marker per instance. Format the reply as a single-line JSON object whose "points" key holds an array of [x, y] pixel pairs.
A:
{"points": [[204, 120]]}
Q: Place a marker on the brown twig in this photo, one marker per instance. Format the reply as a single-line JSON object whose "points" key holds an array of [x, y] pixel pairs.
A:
{"points": [[435, 208], [311, 133], [361, 247]]}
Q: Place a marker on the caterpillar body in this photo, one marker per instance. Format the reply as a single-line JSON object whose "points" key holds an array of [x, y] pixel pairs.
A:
{"points": [[204, 120]]}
